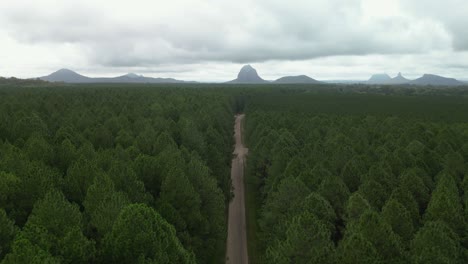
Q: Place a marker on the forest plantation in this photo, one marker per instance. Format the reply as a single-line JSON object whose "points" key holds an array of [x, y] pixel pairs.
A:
{"points": [[136, 173]]}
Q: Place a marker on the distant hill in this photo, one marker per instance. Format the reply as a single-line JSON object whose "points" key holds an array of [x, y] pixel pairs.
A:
{"points": [[296, 79], [379, 79], [65, 75], [399, 79], [69, 76], [248, 75], [431, 79]]}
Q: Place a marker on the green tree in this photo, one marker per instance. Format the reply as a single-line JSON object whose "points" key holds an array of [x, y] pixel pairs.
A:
{"points": [[66, 154], [24, 251], [355, 207], [125, 180], [405, 198], [416, 186], [9, 186], [177, 191], [55, 227], [7, 233], [352, 172], [36, 179], [322, 209], [103, 204], [80, 175], [307, 241], [398, 217], [375, 193], [282, 205], [354, 248], [211, 229], [375, 230], [445, 205], [37, 148], [314, 177], [336, 192], [141, 235], [435, 243], [147, 170]]}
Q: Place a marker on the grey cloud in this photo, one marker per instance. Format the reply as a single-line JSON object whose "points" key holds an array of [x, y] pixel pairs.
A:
{"points": [[254, 32], [452, 14]]}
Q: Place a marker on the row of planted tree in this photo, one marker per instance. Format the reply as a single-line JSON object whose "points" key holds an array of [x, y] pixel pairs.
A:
{"points": [[372, 187], [114, 174]]}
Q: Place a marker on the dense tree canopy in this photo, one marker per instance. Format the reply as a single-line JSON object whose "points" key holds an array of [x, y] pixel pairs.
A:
{"points": [[382, 177], [112, 173], [140, 173]]}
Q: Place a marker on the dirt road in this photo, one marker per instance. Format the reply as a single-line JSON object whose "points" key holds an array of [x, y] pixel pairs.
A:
{"points": [[237, 236]]}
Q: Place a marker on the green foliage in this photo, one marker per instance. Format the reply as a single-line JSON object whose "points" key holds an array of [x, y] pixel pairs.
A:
{"points": [[9, 186], [382, 158], [355, 207], [79, 177], [322, 209], [283, 203], [54, 228], [375, 230], [102, 205], [354, 248], [141, 235], [105, 147], [7, 233], [307, 241], [335, 191], [398, 217], [350, 170], [445, 205], [435, 242]]}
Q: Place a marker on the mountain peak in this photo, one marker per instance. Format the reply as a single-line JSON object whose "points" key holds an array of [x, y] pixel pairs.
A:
{"points": [[247, 67], [379, 78], [133, 75], [65, 71], [432, 79], [399, 79], [248, 74], [299, 79], [65, 75]]}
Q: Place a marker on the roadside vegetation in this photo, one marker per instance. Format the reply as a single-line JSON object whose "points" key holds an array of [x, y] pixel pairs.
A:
{"points": [[114, 174], [342, 176]]}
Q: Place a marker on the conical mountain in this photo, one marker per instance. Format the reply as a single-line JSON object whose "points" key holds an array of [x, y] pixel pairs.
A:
{"points": [[248, 75], [66, 75]]}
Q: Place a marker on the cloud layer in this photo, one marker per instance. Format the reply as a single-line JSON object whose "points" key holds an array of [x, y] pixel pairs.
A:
{"points": [[106, 36]]}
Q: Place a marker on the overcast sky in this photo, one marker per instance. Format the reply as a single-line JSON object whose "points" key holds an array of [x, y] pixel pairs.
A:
{"points": [[209, 40]]}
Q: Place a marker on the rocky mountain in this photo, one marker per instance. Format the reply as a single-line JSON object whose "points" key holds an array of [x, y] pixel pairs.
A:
{"points": [[399, 79], [248, 75], [431, 79], [69, 76], [379, 79], [296, 79]]}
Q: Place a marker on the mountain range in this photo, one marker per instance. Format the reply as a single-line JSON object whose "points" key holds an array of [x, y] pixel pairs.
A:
{"points": [[426, 79], [69, 76], [248, 75]]}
